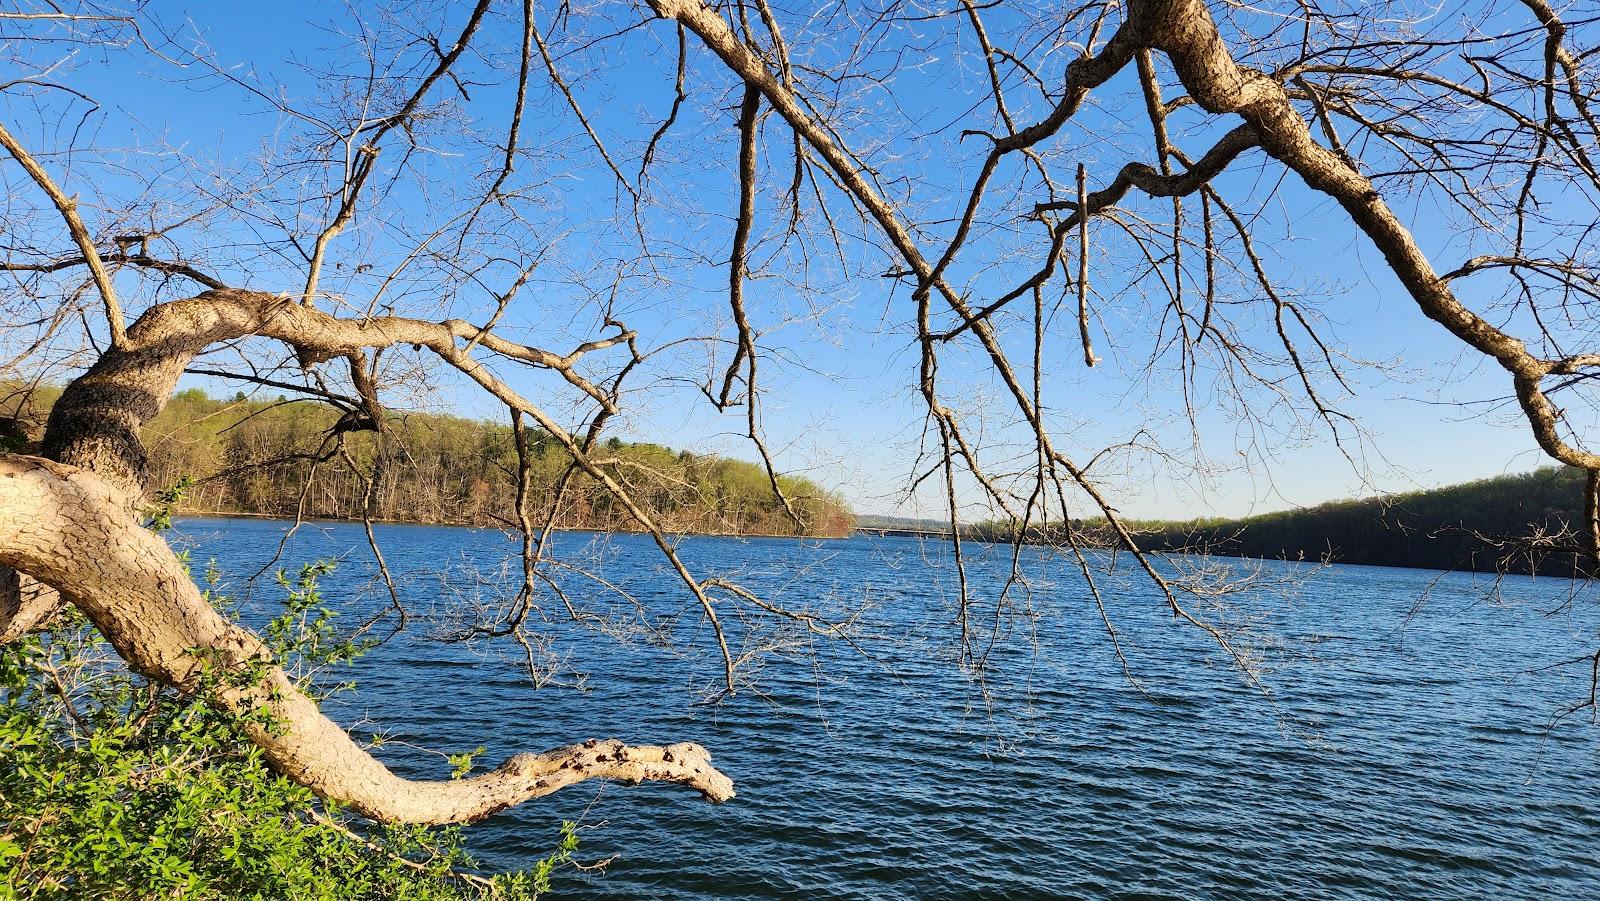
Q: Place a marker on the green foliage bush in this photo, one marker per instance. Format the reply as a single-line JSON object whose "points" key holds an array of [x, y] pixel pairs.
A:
{"points": [[114, 787]]}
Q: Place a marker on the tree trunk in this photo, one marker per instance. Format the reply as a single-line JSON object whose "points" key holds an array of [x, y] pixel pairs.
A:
{"points": [[77, 533]]}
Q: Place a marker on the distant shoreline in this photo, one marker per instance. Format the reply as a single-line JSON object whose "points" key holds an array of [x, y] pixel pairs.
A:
{"points": [[225, 514], [1465, 570]]}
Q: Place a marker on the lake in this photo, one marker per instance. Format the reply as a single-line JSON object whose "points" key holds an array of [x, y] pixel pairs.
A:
{"points": [[1390, 751]]}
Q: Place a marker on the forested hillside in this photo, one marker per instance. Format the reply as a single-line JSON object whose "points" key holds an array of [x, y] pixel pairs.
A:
{"points": [[1516, 523], [278, 457]]}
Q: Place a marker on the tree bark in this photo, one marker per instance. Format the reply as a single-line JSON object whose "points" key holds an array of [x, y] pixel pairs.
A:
{"points": [[25, 605]]}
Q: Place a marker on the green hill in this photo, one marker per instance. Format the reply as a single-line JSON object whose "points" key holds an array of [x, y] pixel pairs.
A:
{"points": [[1516, 523], [1488, 525], [276, 457]]}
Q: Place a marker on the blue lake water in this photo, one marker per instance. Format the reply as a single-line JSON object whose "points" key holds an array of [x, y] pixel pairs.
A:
{"points": [[1395, 751]]}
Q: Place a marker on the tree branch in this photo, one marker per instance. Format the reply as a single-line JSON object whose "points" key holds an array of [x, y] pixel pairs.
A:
{"points": [[68, 208], [75, 532]]}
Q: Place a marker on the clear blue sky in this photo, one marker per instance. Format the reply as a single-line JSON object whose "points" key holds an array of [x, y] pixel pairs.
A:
{"points": [[841, 405]]}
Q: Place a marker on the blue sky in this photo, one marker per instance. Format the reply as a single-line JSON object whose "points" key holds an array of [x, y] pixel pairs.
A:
{"points": [[841, 405]]}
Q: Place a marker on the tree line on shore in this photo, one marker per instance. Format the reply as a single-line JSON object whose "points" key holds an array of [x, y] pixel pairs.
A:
{"points": [[1521, 523], [279, 457], [282, 457]]}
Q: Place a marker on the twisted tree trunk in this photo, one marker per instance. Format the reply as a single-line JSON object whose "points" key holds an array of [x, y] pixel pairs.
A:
{"points": [[70, 523]]}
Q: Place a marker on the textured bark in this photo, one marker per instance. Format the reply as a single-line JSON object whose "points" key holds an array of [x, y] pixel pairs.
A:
{"points": [[76, 532], [95, 424], [25, 605]]}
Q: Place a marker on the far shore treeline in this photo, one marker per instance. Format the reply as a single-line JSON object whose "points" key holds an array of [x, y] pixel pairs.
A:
{"points": [[1515, 524], [276, 457]]}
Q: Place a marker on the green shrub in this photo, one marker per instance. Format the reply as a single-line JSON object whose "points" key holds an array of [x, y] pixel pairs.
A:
{"points": [[112, 786]]}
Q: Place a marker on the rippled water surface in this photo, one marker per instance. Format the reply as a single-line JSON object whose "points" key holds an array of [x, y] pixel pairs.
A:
{"points": [[1390, 755]]}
